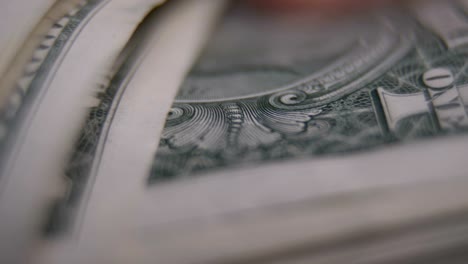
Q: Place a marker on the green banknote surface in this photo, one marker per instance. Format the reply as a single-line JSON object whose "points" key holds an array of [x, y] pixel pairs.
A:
{"points": [[272, 87]]}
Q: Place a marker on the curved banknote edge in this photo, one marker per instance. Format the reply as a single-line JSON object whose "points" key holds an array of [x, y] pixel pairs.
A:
{"points": [[169, 55], [48, 104], [27, 23], [20, 19]]}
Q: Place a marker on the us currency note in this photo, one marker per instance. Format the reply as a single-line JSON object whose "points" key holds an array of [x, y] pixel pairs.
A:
{"points": [[282, 112], [255, 98], [47, 103], [164, 58]]}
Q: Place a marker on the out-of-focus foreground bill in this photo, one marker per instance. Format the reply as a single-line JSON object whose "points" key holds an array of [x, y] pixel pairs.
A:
{"points": [[46, 104], [293, 139]]}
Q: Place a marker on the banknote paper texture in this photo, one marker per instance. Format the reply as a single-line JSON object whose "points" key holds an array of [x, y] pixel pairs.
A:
{"points": [[289, 138], [273, 88], [43, 114], [22, 17], [28, 23], [125, 104], [354, 105]]}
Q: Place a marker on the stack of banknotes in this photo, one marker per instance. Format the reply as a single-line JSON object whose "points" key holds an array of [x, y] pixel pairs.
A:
{"points": [[206, 132]]}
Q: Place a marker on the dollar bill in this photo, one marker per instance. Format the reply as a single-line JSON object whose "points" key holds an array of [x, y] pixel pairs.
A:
{"points": [[291, 139], [284, 128], [156, 55], [47, 103], [273, 89]]}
